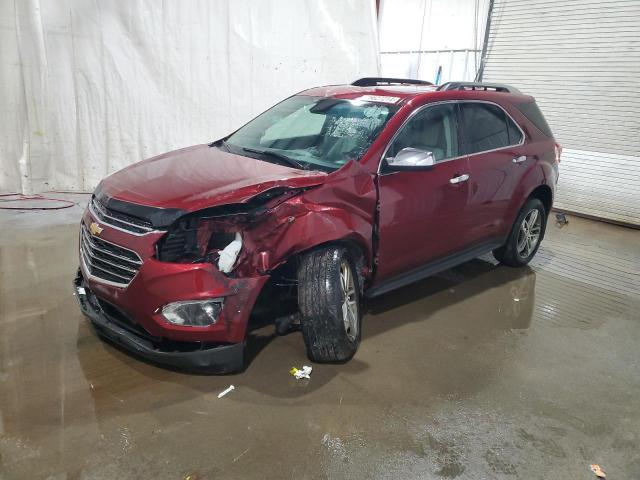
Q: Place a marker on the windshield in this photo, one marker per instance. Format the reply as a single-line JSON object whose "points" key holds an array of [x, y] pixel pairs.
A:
{"points": [[312, 132]]}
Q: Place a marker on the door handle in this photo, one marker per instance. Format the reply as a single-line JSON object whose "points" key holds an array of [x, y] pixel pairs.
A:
{"points": [[459, 179], [519, 159]]}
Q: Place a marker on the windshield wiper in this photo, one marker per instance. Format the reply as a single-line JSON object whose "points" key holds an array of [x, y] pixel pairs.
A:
{"points": [[283, 159], [221, 143]]}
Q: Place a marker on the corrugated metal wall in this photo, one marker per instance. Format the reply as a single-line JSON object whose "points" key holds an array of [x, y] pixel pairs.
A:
{"points": [[581, 60]]}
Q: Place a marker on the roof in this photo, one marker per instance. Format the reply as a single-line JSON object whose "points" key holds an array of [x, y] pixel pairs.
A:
{"points": [[400, 93], [352, 92]]}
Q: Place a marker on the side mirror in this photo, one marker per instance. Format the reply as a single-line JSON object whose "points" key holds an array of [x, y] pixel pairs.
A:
{"points": [[411, 159]]}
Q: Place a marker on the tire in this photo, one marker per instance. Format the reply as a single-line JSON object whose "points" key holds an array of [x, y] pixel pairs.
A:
{"points": [[515, 252], [328, 338]]}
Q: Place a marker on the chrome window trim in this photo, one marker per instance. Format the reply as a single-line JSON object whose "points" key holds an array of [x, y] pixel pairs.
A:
{"points": [[521, 142], [444, 102], [106, 222]]}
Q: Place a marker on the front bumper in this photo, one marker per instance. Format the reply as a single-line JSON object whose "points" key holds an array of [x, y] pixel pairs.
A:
{"points": [[112, 324], [130, 315]]}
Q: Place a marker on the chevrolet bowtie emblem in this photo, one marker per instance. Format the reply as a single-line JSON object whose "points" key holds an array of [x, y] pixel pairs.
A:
{"points": [[95, 229]]}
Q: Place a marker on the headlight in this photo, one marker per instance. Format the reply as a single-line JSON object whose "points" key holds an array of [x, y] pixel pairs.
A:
{"points": [[193, 313]]}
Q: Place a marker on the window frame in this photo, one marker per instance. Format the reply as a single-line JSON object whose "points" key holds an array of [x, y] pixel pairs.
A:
{"points": [[523, 136], [461, 132], [456, 126], [382, 170]]}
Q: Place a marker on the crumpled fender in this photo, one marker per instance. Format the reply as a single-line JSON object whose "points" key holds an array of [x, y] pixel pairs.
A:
{"points": [[342, 208]]}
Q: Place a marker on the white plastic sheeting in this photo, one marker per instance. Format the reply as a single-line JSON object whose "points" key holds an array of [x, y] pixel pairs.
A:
{"points": [[419, 37], [90, 86]]}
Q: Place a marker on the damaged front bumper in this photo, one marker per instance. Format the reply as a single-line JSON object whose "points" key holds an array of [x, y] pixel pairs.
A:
{"points": [[112, 324], [132, 312]]}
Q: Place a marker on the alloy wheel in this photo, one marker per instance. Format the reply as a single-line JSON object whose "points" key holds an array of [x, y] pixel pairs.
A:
{"points": [[529, 233], [349, 301]]}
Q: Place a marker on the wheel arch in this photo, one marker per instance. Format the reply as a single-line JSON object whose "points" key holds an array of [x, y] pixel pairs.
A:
{"points": [[545, 195], [533, 184], [357, 250]]}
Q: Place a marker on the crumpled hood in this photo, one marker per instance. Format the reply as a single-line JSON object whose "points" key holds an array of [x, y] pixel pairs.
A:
{"points": [[200, 177]]}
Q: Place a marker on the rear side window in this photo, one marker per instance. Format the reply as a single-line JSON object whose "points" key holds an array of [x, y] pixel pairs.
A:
{"points": [[487, 127], [533, 113]]}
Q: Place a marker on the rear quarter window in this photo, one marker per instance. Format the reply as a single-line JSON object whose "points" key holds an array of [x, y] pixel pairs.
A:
{"points": [[533, 113], [515, 135]]}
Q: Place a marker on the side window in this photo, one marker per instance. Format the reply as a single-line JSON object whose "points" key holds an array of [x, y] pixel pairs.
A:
{"points": [[515, 134], [533, 113], [433, 129], [486, 128]]}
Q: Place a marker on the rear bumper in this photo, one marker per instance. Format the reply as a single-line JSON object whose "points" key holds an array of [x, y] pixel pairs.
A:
{"points": [[193, 356]]}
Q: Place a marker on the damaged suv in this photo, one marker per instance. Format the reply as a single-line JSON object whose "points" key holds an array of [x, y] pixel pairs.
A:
{"points": [[332, 196]]}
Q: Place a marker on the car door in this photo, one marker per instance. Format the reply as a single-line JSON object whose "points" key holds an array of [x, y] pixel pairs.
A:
{"points": [[495, 146], [422, 211]]}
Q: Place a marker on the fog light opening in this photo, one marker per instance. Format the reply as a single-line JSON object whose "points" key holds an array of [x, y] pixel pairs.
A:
{"points": [[193, 313]]}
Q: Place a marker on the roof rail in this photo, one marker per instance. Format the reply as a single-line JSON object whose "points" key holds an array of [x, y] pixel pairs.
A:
{"points": [[498, 87], [373, 81]]}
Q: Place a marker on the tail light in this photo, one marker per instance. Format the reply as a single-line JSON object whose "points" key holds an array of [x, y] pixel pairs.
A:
{"points": [[558, 152]]}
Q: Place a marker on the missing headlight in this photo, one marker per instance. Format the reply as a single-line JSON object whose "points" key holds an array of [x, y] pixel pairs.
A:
{"points": [[202, 236], [193, 240]]}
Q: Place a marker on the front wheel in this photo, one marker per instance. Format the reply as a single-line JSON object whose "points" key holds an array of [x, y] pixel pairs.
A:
{"points": [[329, 301], [525, 237]]}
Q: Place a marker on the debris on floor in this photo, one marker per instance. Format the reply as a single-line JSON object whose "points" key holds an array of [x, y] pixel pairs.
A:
{"points": [[561, 219], [228, 390], [598, 471], [305, 372], [239, 456], [287, 324]]}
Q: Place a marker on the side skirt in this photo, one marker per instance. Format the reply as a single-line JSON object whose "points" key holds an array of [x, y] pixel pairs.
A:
{"points": [[431, 268]]}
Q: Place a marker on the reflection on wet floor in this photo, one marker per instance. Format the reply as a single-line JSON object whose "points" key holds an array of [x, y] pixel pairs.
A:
{"points": [[480, 372]]}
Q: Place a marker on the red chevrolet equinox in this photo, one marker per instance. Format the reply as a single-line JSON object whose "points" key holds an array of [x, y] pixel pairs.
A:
{"points": [[332, 196]]}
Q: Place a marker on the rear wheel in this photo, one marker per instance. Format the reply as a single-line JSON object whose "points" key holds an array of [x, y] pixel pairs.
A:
{"points": [[329, 301], [525, 237]]}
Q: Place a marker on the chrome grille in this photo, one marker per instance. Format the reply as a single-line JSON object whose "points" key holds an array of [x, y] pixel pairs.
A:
{"points": [[106, 261], [119, 220]]}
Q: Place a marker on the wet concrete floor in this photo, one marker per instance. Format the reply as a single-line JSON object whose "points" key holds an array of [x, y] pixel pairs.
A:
{"points": [[481, 372]]}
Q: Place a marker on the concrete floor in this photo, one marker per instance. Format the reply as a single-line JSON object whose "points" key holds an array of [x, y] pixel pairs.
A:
{"points": [[482, 372]]}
